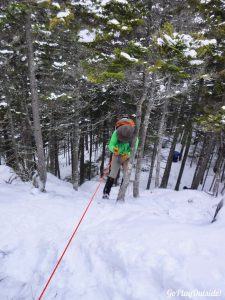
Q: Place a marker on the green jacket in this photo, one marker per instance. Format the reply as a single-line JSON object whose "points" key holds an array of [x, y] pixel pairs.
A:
{"points": [[124, 148]]}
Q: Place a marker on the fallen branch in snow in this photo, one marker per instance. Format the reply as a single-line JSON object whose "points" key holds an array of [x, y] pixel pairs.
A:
{"points": [[9, 181], [3, 254], [218, 208]]}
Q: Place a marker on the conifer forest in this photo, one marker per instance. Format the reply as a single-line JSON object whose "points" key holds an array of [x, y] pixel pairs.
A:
{"points": [[70, 69]]}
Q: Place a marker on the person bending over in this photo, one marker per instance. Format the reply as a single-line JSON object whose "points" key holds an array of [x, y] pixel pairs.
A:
{"points": [[119, 145]]}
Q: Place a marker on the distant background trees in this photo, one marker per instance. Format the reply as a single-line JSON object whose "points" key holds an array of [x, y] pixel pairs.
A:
{"points": [[160, 61]]}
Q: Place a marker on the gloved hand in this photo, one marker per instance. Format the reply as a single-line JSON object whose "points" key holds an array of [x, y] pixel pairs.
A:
{"points": [[116, 151], [124, 156]]}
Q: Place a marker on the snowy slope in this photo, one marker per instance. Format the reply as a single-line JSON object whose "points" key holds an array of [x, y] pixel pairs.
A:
{"points": [[140, 250]]}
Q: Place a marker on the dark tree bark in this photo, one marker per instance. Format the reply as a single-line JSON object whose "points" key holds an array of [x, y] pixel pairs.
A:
{"points": [[57, 168], [82, 166], [28, 141], [152, 164], [167, 170], [10, 158], [51, 148], [104, 142], [203, 160], [219, 165], [75, 150], [69, 145], [195, 149], [90, 153], [207, 169], [184, 159]]}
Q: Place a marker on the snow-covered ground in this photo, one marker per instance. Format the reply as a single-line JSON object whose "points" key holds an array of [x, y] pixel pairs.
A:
{"points": [[160, 246]]}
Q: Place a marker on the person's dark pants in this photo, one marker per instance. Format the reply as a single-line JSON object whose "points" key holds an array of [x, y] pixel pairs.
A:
{"points": [[108, 185]]}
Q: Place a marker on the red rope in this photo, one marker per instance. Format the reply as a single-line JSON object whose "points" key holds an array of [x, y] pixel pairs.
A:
{"points": [[78, 225]]}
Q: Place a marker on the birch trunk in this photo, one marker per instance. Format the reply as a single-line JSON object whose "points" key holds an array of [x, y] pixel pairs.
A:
{"points": [[126, 179], [142, 141], [41, 166], [160, 135]]}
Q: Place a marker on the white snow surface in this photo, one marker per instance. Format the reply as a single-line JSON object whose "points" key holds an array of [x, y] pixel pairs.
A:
{"points": [[140, 250]]}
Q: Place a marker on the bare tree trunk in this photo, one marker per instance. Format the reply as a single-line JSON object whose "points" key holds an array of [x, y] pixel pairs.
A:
{"points": [[217, 180], [207, 170], [75, 151], [152, 164], [8, 149], [199, 159], [104, 142], [219, 165], [143, 139], [223, 189], [28, 141], [203, 160], [41, 166], [68, 149], [82, 165], [86, 139], [126, 179], [57, 168], [90, 153], [160, 135], [167, 170], [51, 146], [13, 141], [194, 151], [184, 159], [223, 174]]}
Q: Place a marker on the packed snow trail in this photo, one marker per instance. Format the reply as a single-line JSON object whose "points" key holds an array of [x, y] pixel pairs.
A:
{"points": [[75, 231], [136, 251]]}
